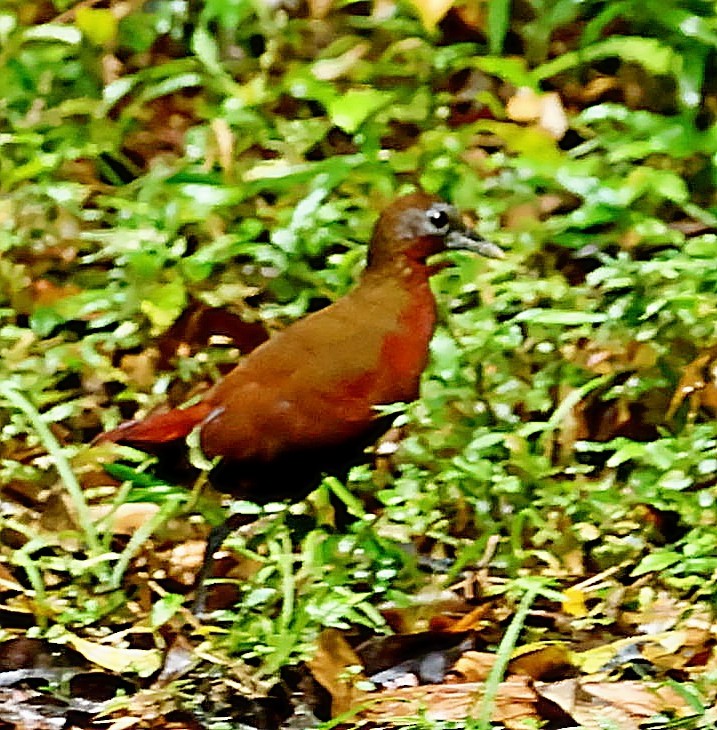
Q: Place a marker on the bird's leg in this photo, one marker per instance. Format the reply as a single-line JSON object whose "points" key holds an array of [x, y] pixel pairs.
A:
{"points": [[216, 537]]}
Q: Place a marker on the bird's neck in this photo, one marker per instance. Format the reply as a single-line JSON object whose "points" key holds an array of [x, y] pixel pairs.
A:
{"points": [[402, 270], [409, 302], [405, 283]]}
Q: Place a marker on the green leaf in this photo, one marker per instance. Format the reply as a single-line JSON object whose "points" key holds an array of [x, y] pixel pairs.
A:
{"points": [[431, 12], [486, 441], [99, 25], [664, 183], [164, 303], [512, 70], [172, 85], [533, 147], [138, 31], [556, 316], [689, 23], [655, 562], [352, 109], [654, 55], [165, 608], [44, 319], [205, 46], [676, 479], [498, 24], [259, 596], [302, 84]]}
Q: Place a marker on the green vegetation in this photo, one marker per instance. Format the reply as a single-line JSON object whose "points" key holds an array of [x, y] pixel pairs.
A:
{"points": [[235, 155]]}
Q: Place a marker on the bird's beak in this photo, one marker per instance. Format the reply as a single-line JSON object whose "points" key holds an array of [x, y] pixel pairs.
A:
{"points": [[470, 241]]}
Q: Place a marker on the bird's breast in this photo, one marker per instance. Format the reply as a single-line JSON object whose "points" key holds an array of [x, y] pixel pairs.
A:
{"points": [[401, 353]]}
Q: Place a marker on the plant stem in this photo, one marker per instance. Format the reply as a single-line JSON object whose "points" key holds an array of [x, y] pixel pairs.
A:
{"points": [[54, 450], [503, 655], [141, 535]]}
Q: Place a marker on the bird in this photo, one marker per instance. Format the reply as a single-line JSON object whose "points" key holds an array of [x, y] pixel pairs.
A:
{"points": [[304, 404], [316, 385]]}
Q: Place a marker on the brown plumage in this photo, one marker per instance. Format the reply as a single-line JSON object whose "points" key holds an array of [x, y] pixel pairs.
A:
{"points": [[304, 402]]}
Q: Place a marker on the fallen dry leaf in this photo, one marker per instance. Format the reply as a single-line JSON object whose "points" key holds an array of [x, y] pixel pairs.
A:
{"points": [[329, 666], [596, 659], [330, 69], [225, 144], [117, 659], [516, 701], [46, 292], [544, 109], [574, 602], [185, 561], [541, 660], [126, 518], [7, 581], [591, 703], [319, 8], [470, 621], [473, 666], [677, 649], [698, 384], [141, 368]]}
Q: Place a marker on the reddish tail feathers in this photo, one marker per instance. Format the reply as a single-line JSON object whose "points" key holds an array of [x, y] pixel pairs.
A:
{"points": [[161, 427]]}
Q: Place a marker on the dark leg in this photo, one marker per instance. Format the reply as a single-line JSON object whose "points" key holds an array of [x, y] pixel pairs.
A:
{"points": [[289, 478], [216, 537]]}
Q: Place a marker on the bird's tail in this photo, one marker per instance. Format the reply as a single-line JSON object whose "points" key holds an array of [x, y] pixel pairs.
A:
{"points": [[159, 428]]}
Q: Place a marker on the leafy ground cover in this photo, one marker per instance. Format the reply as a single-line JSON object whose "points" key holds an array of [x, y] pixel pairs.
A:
{"points": [[536, 541]]}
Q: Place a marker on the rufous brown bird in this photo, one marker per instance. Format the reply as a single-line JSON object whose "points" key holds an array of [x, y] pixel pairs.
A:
{"points": [[304, 403]]}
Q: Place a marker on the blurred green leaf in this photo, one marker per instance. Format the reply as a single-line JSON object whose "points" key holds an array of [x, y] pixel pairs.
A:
{"points": [[99, 25], [655, 562], [553, 316], [498, 24], [350, 110], [163, 303], [657, 57]]}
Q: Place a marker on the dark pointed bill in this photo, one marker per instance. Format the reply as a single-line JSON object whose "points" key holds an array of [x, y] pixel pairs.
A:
{"points": [[470, 241]]}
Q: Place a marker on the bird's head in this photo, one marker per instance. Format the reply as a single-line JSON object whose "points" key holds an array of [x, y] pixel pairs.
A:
{"points": [[419, 225]]}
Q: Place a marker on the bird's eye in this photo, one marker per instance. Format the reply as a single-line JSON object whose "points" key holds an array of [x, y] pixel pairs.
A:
{"points": [[439, 220]]}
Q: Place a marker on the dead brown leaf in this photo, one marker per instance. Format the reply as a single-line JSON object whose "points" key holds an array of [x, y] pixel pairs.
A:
{"points": [[516, 701], [330, 69], [542, 661], [330, 667], [46, 292], [469, 621], [473, 666], [590, 703], [319, 8], [127, 517], [185, 561], [7, 580], [545, 110], [698, 385], [141, 368], [198, 323], [116, 658]]}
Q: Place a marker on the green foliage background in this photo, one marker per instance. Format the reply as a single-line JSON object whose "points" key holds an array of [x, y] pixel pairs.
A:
{"points": [[236, 155]]}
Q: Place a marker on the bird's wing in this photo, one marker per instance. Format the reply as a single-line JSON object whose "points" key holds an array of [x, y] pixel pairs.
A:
{"points": [[315, 384]]}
